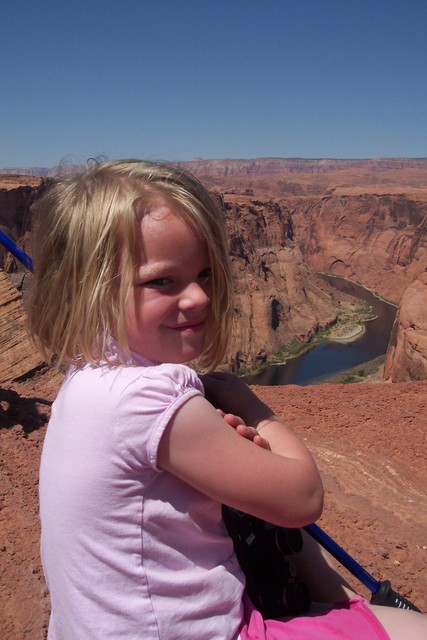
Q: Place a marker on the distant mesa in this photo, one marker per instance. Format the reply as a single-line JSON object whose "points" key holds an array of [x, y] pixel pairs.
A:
{"points": [[255, 166]]}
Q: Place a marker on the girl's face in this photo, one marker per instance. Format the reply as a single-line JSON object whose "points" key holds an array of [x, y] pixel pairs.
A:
{"points": [[168, 306]]}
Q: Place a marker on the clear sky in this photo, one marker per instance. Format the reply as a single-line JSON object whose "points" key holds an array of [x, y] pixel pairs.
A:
{"points": [[178, 79]]}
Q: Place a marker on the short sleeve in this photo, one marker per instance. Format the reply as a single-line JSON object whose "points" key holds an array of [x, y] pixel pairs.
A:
{"points": [[145, 407]]}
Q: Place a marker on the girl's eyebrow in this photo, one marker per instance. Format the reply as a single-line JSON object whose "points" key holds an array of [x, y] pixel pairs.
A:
{"points": [[149, 270]]}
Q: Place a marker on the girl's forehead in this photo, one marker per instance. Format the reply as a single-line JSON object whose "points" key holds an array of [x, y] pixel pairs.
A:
{"points": [[161, 211], [154, 200], [171, 218], [166, 229], [158, 208]]}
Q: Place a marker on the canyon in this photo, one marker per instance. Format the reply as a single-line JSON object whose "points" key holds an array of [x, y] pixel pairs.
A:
{"points": [[374, 234], [286, 220]]}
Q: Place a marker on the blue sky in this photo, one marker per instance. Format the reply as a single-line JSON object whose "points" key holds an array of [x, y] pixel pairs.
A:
{"points": [[178, 79]]}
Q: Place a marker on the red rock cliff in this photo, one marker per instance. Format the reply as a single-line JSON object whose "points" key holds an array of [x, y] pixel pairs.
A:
{"points": [[407, 352], [380, 241], [278, 297], [18, 354]]}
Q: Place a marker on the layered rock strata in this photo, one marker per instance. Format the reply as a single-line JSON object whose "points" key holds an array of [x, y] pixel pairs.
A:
{"points": [[278, 297], [407, 352], [18, 354], [379, 241], [275, 166]]}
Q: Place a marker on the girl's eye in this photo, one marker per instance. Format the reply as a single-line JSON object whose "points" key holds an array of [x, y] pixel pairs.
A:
{"points": [[157, 283], [205, 275]]}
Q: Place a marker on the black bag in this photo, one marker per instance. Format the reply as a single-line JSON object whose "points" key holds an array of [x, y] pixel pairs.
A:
{"points": [[263, 551]]}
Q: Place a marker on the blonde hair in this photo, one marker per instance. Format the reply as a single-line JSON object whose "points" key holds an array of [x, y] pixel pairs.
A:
{"points": [[84, 249]]}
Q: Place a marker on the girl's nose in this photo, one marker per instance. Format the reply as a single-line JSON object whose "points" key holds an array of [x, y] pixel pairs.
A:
{"points": [[194, 296]]}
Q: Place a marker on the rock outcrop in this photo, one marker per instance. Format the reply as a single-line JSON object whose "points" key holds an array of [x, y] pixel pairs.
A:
{"points": [[406, 358], [18, 354]]}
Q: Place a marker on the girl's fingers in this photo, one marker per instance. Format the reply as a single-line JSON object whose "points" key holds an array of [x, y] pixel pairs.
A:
{"points": [[243, 430], [232, 420], [246, 432], [261, 442], [252, 434]]}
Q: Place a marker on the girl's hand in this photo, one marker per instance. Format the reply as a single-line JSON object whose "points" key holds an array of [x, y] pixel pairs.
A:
{"points": [[250, 433]]}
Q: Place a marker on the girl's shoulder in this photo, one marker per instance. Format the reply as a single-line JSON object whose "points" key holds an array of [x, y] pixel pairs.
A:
{"points": [[160, 374], [134, 403], [162, 380], [167, 380]]}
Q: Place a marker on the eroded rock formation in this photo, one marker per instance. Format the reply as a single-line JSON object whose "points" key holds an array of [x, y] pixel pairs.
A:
{"points": [[18, 354], [407, 352]]}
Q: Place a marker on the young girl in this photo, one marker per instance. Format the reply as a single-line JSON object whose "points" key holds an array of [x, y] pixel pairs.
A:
{"points": [[132, 281]]}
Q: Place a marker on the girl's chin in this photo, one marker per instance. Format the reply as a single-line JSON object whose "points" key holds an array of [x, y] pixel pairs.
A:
{"points": [[177, 357]]}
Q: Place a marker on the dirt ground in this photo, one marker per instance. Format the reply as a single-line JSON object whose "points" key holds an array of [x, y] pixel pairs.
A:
{"points": [[368, 439]]}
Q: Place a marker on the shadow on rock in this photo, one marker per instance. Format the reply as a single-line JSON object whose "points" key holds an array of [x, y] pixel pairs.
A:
{"points": [[14, 409]]}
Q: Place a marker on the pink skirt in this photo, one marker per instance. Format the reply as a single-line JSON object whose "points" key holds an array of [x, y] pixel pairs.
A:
{"points": [[346, 620]]}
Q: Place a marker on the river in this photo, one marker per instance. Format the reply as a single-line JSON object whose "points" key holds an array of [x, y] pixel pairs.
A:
{"points": [[329, 358]]}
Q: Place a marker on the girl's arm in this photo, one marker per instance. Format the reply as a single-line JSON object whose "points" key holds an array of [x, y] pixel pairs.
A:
{"points": [[281, 486]]}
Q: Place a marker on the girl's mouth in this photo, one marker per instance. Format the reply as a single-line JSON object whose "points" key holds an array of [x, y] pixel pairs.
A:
{"points": [[190, 327]]}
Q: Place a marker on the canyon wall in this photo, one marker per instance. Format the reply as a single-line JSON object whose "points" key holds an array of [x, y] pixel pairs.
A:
{"points": [[377, 240], [278, 297], [407, 352]]}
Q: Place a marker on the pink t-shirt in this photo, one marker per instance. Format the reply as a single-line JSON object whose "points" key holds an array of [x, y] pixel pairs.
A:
{"points": [[130, 551]]}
